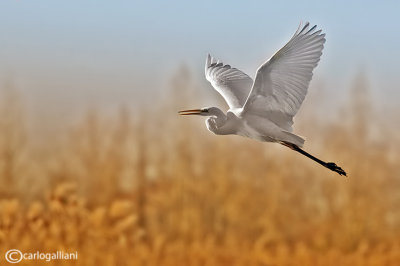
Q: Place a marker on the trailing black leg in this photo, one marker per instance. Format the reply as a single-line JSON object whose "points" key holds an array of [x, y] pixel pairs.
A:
{"points": [[330, 165]]}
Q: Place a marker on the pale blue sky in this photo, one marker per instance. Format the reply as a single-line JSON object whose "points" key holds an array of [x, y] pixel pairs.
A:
{"points": [[85, 52]]}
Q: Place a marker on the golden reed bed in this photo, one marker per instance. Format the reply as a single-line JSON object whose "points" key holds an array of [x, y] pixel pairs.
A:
{"points": [[123, 191]]}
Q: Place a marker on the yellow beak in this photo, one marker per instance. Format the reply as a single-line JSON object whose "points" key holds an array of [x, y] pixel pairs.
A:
{"points": [[190, 112]]}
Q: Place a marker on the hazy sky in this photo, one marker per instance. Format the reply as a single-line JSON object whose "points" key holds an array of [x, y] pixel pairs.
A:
{"points": [[72, 53]]}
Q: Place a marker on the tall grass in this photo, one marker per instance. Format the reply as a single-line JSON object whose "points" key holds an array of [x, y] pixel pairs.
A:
{"points": [[151, 188]]}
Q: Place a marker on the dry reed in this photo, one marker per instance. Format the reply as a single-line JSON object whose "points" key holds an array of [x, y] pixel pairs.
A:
{"points": [[135, 190]]}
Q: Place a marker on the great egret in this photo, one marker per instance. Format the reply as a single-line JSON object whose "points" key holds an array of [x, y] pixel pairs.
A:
{"points": [[264, 109]]}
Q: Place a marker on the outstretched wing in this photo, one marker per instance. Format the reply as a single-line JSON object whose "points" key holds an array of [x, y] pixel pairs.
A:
{"points": [[281, 83], [231, 83]]}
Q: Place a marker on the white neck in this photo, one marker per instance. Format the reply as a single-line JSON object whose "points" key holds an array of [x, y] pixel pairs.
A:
{"points": [[217, 121]]}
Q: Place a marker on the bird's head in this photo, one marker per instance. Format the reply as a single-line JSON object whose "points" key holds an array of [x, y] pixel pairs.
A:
{"points": [[216, 119]]}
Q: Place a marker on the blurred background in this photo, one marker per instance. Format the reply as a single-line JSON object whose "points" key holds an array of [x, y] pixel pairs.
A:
{"points": [[95, 159]]}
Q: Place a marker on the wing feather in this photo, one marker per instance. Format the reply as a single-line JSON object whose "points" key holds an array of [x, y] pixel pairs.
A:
{"points": [[231, 83], [281, 83]]}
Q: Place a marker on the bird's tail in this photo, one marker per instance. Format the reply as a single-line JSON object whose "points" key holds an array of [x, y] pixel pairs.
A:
{"points": [[330, 165], [293, 138]]}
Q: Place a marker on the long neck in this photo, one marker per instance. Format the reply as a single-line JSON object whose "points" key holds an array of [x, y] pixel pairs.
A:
{"points": [[217, 123], [219, 117]]}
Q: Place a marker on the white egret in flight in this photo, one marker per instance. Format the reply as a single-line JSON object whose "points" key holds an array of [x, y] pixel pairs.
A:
{"points": [[263, 109]]}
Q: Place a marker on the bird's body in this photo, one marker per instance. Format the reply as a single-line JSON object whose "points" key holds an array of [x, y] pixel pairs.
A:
{"points": [[263, 109], [237, 122]]}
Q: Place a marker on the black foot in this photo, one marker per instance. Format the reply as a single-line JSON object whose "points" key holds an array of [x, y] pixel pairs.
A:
{"points": [[334, 167]]}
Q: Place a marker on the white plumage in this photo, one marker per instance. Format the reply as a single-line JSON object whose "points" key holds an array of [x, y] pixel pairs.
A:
{"points": [[264, 109], [231, 83]]}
